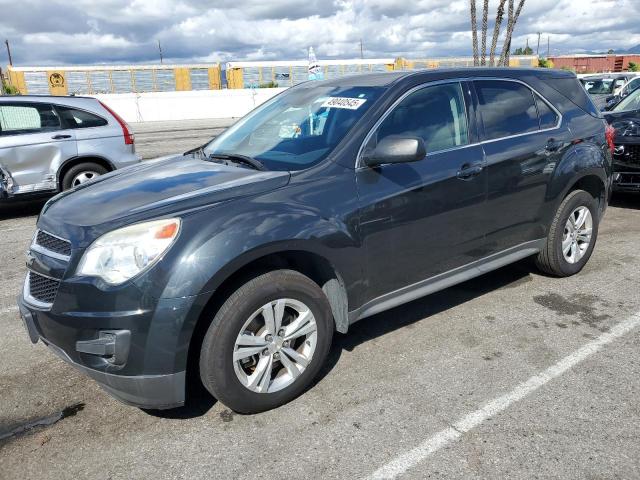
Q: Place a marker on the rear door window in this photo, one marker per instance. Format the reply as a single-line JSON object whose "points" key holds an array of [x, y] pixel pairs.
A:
{"points": [[18, 119], [506, 108], [75, 118]]}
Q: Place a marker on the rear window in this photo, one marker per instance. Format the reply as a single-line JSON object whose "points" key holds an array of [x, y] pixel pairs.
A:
{"points": [[507, 108], [571, 89], [75, 118]]}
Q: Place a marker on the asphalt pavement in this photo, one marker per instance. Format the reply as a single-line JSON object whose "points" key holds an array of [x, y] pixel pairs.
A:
{"points": [[511, 375]]}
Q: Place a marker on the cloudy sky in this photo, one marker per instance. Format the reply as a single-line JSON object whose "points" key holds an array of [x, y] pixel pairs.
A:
{"points": [[126, 31]]}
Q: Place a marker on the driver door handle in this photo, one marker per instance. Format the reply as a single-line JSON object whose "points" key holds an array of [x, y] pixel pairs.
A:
{"points": [[60, 137], [468, 171]]}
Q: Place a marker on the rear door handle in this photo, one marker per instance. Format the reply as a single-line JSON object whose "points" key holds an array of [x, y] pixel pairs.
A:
{"points": [[467, 171], [60, 137]]}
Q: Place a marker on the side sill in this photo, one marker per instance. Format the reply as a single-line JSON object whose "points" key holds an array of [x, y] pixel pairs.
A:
{"points": [[446, 280]]}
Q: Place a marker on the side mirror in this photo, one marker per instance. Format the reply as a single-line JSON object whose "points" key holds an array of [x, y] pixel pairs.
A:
{"points": [[396, 150]]}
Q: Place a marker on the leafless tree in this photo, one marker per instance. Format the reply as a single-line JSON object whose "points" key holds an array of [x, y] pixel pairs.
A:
{"points": [[485, 14], [496, 31], [474, 32]]}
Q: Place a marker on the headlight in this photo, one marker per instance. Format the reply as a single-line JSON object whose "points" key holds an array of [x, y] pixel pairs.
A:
{"points": [[124, 253]]}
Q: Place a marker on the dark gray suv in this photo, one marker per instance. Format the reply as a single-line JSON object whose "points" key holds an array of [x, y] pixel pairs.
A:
{"points": [[233, 264]]}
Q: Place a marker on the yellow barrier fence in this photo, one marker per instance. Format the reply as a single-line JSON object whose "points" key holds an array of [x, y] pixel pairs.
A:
{"points": [[161, 78]]}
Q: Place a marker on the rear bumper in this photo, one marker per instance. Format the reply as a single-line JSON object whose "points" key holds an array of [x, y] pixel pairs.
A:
{"points": [[144, 388]]}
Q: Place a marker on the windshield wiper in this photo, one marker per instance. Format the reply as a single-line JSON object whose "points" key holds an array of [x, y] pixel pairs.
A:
{"points": [[237, 158], [196, 151]]}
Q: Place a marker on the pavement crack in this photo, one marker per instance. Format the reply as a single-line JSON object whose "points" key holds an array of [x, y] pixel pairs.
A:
{"points": [[47, 421]]}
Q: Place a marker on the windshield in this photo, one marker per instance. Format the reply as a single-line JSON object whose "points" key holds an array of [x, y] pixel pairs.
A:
{"points": [[298, 128], [598, 86], [631, 102]]}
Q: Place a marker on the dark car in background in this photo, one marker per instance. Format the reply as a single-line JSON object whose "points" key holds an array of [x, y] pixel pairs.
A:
{"points": [[233, 265], [625, 119]]}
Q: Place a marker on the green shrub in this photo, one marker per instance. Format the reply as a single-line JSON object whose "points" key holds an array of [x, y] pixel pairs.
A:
{"points": [[8, 89], [268, 85], [545, 63], [634, 67]]}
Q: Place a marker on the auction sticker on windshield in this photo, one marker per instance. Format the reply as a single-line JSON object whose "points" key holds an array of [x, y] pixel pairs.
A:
{"points": [[344, 102]]}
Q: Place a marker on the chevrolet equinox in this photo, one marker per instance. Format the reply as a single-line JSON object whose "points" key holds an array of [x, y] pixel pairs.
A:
{"points": [[234, 263]]}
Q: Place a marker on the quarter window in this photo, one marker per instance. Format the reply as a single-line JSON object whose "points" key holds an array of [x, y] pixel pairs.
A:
{"points": [[80, 119], [548, 118], [16, 119], [507, 108], [436, 114]]}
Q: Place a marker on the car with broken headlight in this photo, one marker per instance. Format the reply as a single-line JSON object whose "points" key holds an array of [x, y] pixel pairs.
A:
{"points": [[625, 119]]}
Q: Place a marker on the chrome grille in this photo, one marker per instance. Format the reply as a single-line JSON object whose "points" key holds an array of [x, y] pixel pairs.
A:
{"points": [[42, 288], [633, 154], [53, 244]]}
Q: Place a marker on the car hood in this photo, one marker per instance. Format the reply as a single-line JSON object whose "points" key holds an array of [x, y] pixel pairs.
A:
{"points": [[154, 188]]}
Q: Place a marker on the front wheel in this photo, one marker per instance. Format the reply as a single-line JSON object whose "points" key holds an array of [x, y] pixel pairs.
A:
{"points": [[572, 236], [267, 342]]}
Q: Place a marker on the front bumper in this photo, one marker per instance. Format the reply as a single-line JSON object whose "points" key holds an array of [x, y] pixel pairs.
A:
{"points": [[74, 340]]}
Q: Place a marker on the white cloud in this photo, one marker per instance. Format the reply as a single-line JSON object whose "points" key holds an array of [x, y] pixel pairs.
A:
{"points": [[89, 31]]}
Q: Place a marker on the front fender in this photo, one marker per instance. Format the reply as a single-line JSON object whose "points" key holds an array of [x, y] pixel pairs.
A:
{"points": [[209, 259]]}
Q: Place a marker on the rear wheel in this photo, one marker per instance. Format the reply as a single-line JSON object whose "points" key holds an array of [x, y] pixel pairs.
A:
{"points": [[572, 235], [81, 173], [267, 342]]}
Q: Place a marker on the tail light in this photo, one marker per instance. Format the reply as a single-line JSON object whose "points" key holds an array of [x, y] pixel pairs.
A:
{"points": [[610, 134], [126, 129]]}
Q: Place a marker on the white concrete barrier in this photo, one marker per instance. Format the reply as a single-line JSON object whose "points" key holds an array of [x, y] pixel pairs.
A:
{"points": [[190, 105]]}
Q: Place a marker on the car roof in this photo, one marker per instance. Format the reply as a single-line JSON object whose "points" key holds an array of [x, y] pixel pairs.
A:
{"points": [[383, 79]]}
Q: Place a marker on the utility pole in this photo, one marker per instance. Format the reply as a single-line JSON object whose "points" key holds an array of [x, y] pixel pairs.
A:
{"points": [[538, 49], [548, 46], [361, 51], [6, 42], [160, 50]]}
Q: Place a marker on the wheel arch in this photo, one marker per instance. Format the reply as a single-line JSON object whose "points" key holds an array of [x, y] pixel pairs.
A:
{"points": [[311, 264], [583, 167], [71, 162]]}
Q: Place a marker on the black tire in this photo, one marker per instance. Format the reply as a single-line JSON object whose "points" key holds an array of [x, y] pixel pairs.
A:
{"points": [[551, 259], [216, 356], [79, 168]]}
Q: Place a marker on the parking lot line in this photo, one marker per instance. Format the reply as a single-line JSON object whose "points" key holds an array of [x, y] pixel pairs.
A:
{"points": [[431, 445]]}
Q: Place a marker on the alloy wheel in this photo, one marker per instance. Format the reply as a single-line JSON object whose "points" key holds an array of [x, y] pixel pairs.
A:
{"points": [[275, 345], [577, 234]]}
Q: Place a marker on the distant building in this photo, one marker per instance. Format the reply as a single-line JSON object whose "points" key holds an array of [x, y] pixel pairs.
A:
{"points": [[595, 63]]}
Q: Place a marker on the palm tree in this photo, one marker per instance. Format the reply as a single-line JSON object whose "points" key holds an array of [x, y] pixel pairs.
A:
{"points": [[496, 32], [513, 18], [485, 13], [474, 32], [504, 55]]}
